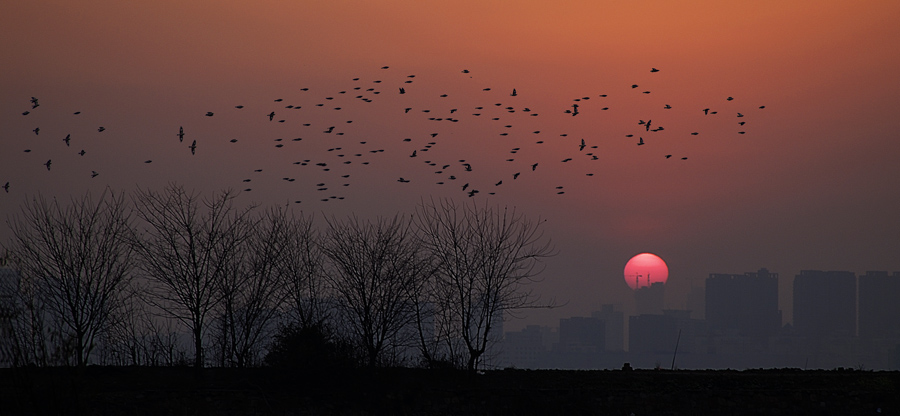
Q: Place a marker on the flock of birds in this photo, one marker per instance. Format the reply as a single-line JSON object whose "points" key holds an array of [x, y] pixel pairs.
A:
{"points": [[331, 143]]}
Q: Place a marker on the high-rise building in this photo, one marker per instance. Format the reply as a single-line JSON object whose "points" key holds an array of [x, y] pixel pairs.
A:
{"points": [[743, 304], [581, 334], [614, 322], [649, 299], [879, 308], [825, 303]]}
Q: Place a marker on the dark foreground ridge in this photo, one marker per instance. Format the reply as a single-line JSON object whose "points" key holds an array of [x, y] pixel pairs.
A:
{"points": [[266, 391]]}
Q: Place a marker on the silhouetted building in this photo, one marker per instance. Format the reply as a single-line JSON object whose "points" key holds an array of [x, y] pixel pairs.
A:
{"points": [[614, 322], [743, 304], [581, 334], [649, 299], [879, 305], [525, 348], [658, 334], [696, 302], [825, 303]]}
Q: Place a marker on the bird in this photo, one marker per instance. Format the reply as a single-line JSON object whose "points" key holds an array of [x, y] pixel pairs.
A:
{"points": [[239, 107], [209, 113], [581, 147], [668, 156], [705, 111], [468, 167], [534, 167], [271, 116], [641, 142], [402, 90], [47, 164], [465, 186], [36, 130], [413, 154], [81, 152], [94, 174], [514, 93], [654, 70], [68, 137], [668, 107], [6, 187], [180, 134], [498, 183], [148, 161], [647, 126], [730, 98], [193, 147], [401, 180], [101, 129], [34, 102], [516, 175]]}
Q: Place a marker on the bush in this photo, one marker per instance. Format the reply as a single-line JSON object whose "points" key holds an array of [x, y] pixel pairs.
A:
{"points": [[310, 347]]}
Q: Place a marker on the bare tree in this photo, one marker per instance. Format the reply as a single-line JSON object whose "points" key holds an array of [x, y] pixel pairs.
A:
{"points": [[373, 266], [485, 258], [252, 293], [185, 247], [301, 268], [73, 258]]}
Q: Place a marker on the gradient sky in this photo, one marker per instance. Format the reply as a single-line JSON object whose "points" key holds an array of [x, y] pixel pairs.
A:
{"points": [[812, 184]]}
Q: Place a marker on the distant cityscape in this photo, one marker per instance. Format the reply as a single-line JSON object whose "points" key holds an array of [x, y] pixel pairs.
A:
{"points": [[839, 320]]}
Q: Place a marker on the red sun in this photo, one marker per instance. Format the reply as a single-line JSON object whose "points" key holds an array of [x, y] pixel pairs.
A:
{"points": [[644, 269]]}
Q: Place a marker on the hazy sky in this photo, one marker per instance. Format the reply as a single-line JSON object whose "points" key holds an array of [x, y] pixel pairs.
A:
{"points": [[813, 183]]}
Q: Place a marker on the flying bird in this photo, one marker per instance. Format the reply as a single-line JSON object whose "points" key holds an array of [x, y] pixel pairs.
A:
{"points": [[654, 70], [193, 147], [68, 137], [101, 129], [271, 116], [6, 187], [36, 130], [47, 164], [641, 142], [209, 113], [514, 93], [180, 134], [94, 174]]}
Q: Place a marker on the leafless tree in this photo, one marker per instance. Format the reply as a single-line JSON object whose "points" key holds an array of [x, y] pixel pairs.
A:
{"points": [[252, 293], [185, 246], [485, 258], [301, 268], [373, 266], [73, 258]]}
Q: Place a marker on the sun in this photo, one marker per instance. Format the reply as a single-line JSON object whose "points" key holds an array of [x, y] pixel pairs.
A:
{"points": [[645, 269]]}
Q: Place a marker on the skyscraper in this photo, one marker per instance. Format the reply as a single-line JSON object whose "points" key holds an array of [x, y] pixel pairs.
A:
{"points": [[649, 299], [879, 308], [746, 304], [825, 303]]}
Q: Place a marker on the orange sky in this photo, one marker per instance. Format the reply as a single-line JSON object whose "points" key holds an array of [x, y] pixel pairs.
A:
{"points": [[811, 185]]}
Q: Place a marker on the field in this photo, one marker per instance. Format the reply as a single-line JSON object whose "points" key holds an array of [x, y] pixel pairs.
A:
{"points": [[265, 391]]}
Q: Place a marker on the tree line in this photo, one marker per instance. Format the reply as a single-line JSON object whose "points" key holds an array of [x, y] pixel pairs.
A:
{"points": [[174, 277]]}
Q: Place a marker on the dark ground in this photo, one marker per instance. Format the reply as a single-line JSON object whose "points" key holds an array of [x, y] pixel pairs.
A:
{"points": [[264, 391]]}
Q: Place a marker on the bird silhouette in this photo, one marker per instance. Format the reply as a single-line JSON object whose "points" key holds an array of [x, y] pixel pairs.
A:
{"points": [[101, 129], [641, 142], [36, 130], [94, 174], [6, 187], [654, 70], [271, 116], [514, 93], [81, 153], [209, 113], [180, 134], [47, 164], [193, 147], [67, 139], [581, 147], [401, 180], [534, 167]]}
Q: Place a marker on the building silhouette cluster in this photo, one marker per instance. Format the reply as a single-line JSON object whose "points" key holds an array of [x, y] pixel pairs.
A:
{"points": [[839, 320]]}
